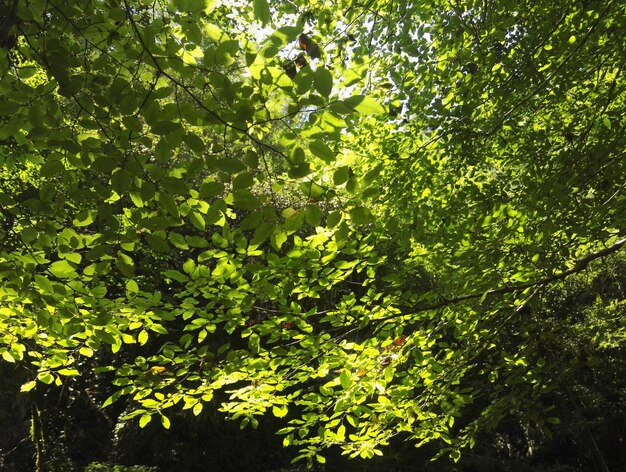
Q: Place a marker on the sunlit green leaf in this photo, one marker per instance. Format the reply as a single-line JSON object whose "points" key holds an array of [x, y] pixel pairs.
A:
{"points": [[321, 150], [323, 81], [144, 420], [62, 269]]}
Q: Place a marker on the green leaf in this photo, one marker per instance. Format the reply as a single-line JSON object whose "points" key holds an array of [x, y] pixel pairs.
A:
{"points": [[165, 421], [262, 11], [195, 143], [165, 127], [84, 218], [176, 275], [157, 242], [254, 343], [142, 338], [163, 151], [86, 351], [323, 81], [299, 171], [278, 238], [211, 189], [131, 287], [28, 386], [98, 292], [230, 165], [196, 241], [312, 190], [63, 270], [136, 199], [280, 411], [144, 420], [285, 34], [197, 220], [320, 149], [361, 215], [345, 379], [112, 399], [45, 377], [120, 181], [313, 215], [125, 264], [341, 175], [245, 200], [294, 221], [178, 240], [364, 105], [243, 181], [44, 284], [262, 232], [168, 203], [194, 6], [333, 219], [189, 266], [215, 216], [8, 357], [68, 372]]}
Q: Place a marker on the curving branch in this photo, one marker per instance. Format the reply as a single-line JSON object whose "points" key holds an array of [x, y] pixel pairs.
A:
{"points": [[579, 266]]}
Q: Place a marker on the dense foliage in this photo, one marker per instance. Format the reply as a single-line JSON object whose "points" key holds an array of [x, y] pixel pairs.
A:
{"points": [[357, 217]]}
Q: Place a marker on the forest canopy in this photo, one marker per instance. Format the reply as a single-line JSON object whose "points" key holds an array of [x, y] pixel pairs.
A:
{"points": [[351, 216]]}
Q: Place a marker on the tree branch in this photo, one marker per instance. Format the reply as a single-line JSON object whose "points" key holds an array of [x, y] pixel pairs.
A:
{"points": [[579, 266]]}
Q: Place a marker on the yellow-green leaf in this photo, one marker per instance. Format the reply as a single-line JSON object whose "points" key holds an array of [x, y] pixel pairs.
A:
{"points": [[144, 420], [142, 338], [28, 386], [7, 356]]}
